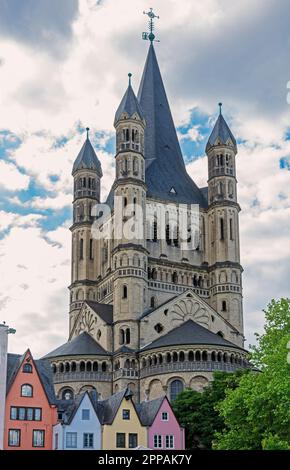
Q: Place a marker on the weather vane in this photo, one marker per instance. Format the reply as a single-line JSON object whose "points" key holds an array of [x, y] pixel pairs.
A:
{"points": [[150, 35]]}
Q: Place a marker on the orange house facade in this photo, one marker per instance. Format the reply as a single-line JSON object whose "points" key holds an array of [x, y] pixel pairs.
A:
{"points": [[30, 410]]}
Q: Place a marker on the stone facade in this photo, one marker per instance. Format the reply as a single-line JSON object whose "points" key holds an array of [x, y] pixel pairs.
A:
{"points": [[152, 281]]}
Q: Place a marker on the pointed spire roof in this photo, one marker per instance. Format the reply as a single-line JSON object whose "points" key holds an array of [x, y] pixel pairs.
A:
{"points": [[129, 104], [220, 133], [165, 168], [87, 158]]}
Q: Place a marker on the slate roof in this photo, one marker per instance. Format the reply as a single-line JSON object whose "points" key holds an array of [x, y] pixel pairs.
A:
{"points": [[83, 344], [165, 168], [189, 332], [220, 131], [70, 407], [87, 159], [129, 105], [43, 367], [112, 404], [148, 410], [105, 311]]}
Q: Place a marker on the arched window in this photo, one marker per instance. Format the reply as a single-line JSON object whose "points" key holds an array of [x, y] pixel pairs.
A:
{"points": [[175, 356], [67, 394], [204, 356], [26, 390], [181, 356], [190, 356], [176, 387], [27, 368], [82, 366], [222, 232], [224, 306], [175, 277], [81, 248], [91, 249], [73, 367], [125, 292], [95, 366], [89, 366], [121, 336], [104, 366], [128, 336]]}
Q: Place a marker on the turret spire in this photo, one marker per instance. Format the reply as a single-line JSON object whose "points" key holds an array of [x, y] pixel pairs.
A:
{"points": [[129, 104], [221, 133]]}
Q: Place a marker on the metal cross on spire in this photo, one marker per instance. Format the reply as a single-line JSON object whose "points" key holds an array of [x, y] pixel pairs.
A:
{"points": [[150, 35]]}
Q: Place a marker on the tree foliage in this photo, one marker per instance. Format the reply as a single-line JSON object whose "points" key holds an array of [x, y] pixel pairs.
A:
{"points": [[257, 413], [246, 410]]}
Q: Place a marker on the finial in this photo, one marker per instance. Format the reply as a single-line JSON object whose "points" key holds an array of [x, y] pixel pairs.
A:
{"points": [[87, 129], [150, 35], [220, 105], [129, 75]]}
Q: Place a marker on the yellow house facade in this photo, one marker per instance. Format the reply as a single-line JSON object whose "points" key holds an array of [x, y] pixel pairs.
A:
{"points": [[122, 429]]}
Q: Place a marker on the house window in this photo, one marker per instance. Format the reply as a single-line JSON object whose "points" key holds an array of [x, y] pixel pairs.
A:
{"points": [[157, 441], [56, 441], [71, 440], [164, 416], [126, 414], [13, 412], [176, 387], [169, 442], [88, 441], [133, 441], [120, 440], [26, 390], [27, 368], [38, 438], [85, 415], [14, 437]]}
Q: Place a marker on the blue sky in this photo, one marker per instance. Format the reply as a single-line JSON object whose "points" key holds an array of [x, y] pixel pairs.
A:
{"points": [[64, 66]]}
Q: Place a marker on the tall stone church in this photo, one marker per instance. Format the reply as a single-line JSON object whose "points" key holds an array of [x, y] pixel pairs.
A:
{"points": [[146, 310]]}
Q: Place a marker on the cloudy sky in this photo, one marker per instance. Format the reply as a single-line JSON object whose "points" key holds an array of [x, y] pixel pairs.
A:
{"points": [[64, 66]]}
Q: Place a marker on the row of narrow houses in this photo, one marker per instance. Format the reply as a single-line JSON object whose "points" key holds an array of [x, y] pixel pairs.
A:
{"points": [[35, 419]]}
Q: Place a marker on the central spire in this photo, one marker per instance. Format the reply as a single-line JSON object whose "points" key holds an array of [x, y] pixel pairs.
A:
{"points": [[166, 176]]}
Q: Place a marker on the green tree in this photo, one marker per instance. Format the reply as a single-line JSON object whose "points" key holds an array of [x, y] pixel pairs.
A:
{"points": [[256, 414], [196, 411]]}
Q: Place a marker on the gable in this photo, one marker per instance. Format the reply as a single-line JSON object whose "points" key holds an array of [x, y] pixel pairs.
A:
{"points": [[182, 308], [39, 378], [95, 319], [127, 404], [76, 418]]}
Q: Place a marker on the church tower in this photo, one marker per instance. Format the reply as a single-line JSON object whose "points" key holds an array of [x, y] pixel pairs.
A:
{"points": [[87, 173], [223, 219], [129, 253]]}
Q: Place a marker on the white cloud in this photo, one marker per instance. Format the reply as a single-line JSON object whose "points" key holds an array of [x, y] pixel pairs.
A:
{"points": [[11, 178]]}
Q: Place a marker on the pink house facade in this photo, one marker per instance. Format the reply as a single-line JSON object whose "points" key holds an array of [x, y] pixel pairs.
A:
{"points": [[164, 431]]}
